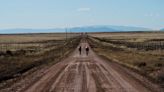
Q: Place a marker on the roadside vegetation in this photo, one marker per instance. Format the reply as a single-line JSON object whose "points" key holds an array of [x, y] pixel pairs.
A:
{"points": [[142, 54], [15, 62]]}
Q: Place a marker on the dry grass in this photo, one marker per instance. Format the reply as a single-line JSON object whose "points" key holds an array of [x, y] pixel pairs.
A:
{"points": [[147, 63], [20, 61], [33, 37], [32, 41], [133, 37]]}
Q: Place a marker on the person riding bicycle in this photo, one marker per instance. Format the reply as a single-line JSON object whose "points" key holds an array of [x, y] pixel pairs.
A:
{"points": [[80, 50], [87, 50]]}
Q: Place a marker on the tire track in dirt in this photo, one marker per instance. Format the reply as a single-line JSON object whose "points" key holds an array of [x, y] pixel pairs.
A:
{"points": [[66, 81], [45, 81], [104, 83], [75, 75]]}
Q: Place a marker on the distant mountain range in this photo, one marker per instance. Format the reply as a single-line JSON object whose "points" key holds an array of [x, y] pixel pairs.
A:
{"points": [[98, 28], [108, 29], [162, 29], [92, 29]]}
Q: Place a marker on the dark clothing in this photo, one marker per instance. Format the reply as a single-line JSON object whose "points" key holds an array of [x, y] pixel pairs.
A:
{"points": [[80, 50], [87, 50]]}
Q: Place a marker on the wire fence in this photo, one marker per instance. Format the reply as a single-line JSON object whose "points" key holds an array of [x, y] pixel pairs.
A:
{"points": [[147, 45], [142, 45], [28, 47]]}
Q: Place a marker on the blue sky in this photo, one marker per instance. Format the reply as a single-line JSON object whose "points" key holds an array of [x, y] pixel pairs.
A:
{"points": [[70, 13]]}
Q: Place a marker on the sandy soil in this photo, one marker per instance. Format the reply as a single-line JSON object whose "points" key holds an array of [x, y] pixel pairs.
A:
{"points": [[82, 73]]}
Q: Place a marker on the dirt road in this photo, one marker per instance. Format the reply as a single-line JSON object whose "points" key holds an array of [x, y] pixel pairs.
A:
{"points": [[82, 73]]}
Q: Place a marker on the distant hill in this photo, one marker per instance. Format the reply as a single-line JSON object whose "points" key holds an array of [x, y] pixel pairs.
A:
{"points": [[98, 28], [162, 29], [103, 28], [129, 28], [92, 29]]}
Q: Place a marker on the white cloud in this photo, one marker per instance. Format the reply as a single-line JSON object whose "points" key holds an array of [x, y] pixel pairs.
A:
{"points": [[83, 9], [152, 15]]}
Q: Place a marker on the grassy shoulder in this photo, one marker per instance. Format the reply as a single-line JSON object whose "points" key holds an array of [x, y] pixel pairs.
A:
{"points": [[11, 66], [148, 65]]}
